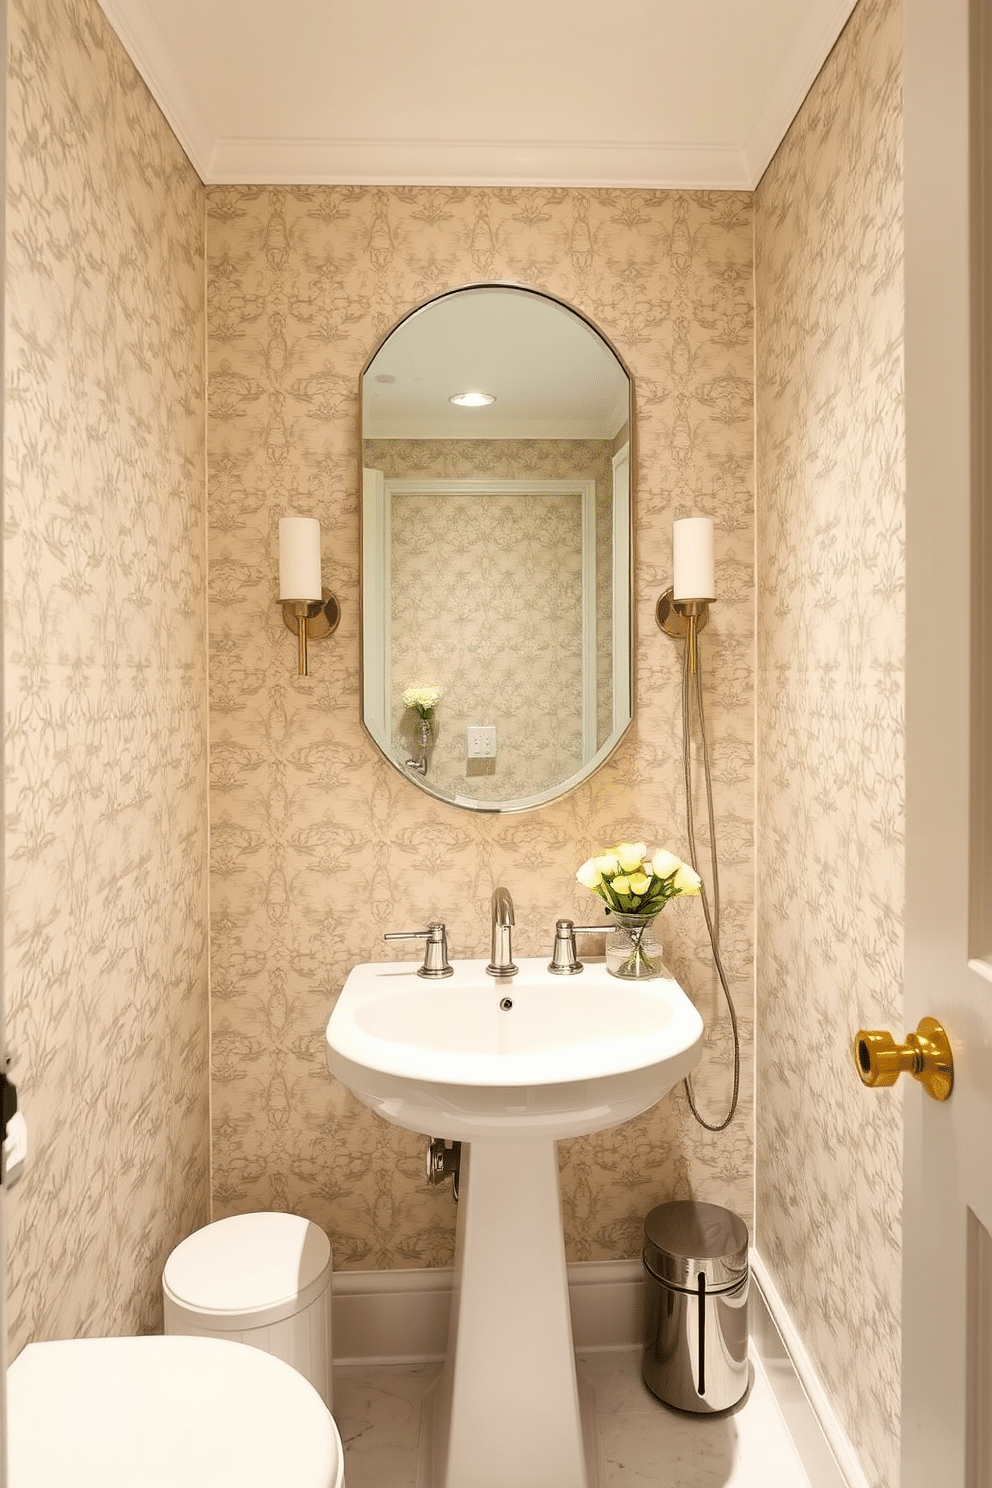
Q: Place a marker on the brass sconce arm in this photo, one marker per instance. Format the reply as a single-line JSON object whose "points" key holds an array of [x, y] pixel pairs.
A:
{"points": [[310, 620]]}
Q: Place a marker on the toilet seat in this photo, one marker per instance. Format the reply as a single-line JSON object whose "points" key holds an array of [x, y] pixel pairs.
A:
{"points": [[158, 1411]]}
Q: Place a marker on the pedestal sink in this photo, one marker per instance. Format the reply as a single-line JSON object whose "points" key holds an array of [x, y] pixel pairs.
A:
{"points": [[507, 1066]]}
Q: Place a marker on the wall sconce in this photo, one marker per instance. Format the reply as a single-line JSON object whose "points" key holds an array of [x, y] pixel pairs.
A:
{"points": [[309, 610], [683, 610]]}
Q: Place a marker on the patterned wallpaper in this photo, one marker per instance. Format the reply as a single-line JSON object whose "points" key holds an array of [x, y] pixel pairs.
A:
{"points": [[319, 846], [104, 657], [830, 719], [523, 687], [487, 605]]}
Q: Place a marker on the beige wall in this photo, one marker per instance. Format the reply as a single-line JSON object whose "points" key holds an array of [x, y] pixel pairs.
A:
{"points": [[104, 658], [319, 845], [830, 719]]}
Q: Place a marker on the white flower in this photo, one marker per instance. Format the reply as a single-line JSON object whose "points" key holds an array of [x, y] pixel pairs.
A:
{"points": [[665, 863], [424, 699], [686, 880], [631, 855], [589, 875]]}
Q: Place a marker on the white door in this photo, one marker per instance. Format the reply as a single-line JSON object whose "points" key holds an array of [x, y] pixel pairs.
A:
{"points": [[947, 1165], [3, 1026]]}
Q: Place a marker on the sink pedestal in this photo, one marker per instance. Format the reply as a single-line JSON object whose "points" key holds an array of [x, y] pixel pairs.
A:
{"points": [[508, 1068], [505, 1412]]}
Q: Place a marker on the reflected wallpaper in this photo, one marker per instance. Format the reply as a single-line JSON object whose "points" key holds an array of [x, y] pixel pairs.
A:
{"points": [[487, 605], [513, 648]]}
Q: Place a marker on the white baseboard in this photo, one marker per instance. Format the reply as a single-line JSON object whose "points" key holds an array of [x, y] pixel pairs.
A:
{"points": [[822, 1443], [401, 1317], [390, 1317]]}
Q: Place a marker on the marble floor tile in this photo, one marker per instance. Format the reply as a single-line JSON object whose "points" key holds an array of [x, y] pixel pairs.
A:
{"points": [[377, 1410], [644, 1444]]}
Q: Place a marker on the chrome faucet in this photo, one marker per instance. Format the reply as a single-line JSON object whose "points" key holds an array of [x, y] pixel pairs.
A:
{"points": [[501, 964]]}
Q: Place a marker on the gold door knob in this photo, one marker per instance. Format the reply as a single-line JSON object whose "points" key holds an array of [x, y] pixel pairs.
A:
{"points": [[926, 1055]]}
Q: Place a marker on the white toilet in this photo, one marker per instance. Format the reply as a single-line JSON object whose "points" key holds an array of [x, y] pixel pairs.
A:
{"points": [[158, 1411]]}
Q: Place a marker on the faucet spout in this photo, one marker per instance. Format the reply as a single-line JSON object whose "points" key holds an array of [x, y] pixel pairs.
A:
{"points": [[501, 963]]}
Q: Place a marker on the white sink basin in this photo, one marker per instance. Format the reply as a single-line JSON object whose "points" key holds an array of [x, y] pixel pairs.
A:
{"points": [[570, 1055]]}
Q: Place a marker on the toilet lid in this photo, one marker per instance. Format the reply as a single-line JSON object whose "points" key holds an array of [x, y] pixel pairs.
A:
{"points": [[249, 1270], [161, 1411]]}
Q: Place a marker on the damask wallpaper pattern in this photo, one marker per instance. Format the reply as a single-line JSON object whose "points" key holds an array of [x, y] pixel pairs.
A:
{"points": [[105, 680], [319, 845], [830, 720]]}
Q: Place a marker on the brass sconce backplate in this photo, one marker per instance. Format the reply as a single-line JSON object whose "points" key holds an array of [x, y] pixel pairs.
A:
{"points": [[323, 616], [674, 619], [310, 620]]}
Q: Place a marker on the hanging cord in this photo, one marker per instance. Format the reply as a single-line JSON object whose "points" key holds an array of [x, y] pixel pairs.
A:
{"points": [[690, 667]]}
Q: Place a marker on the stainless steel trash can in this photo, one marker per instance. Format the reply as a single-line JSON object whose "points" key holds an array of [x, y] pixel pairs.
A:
{"points": [[695, 1351]]}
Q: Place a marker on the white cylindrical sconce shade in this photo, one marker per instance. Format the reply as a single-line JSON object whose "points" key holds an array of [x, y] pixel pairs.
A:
{"points": [[693, 569], [299, 559]]}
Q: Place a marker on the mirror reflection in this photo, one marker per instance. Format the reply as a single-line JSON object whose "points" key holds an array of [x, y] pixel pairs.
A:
{"points": [[496, 614]]}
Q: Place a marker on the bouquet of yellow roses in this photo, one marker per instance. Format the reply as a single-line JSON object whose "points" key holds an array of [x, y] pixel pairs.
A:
{"points": [[635, 885], [630, 880]]}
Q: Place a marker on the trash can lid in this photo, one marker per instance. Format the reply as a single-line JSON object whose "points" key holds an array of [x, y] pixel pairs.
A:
{"points": [[249, 1270], [688, 1238]]}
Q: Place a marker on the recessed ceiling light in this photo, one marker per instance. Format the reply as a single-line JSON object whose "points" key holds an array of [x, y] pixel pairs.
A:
{"points": [[472, 400]]}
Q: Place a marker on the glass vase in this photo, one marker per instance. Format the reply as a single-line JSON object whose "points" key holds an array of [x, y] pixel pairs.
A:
{"points": [[634, 950]]}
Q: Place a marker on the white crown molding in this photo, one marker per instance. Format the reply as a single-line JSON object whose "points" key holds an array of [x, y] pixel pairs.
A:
{"points": [[821, 28], [221, 159], [294, 162], [145, 45], [451, 429]]}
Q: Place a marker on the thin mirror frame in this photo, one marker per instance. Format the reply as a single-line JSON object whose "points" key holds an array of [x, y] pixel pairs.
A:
{"points": [[610, 745]]}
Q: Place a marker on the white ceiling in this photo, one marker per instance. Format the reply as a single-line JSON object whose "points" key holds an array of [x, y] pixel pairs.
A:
{"points": [[647, 93]]}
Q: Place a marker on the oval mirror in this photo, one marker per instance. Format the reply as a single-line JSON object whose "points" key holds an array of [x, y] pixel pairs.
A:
{"points": [[496, 547]]}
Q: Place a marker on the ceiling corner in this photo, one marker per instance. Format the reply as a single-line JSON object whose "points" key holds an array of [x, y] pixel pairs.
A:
{"points": [[821, 29], [144, 44]]}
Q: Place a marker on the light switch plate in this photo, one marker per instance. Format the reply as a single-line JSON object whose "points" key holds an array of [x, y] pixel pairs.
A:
{"points": [[481, 741]]}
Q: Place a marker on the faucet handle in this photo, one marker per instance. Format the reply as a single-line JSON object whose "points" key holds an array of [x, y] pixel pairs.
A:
{"points": [[435, 952], [564, 961]]}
